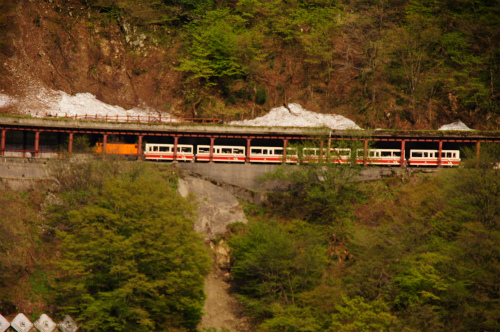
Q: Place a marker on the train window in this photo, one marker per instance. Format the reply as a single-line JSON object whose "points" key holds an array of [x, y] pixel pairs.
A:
{"points": [[227, 150], [238, 151], [186, 149], [416, 154], [372, 154], [397, 153], [203, 150], [386, 153], [164, 148], [257, 151], [264, 151], [426, 154], [449, 154], [278, 151], [155, 149]]}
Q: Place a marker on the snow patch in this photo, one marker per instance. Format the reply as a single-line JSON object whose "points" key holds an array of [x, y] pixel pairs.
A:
{"points": [[296, 116], [44, 102], [6, 100], [457, 125]]}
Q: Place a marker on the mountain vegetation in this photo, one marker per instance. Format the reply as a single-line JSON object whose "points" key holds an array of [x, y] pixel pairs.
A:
{"points": [[383, 63], [405, 254], [113, 246]]}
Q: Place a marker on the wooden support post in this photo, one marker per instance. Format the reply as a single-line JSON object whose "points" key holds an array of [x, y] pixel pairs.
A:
{"points": [[403, 148], [37, 142], [212, 140], [2, 142], [70, 143], [440, 153], [176, 141]]}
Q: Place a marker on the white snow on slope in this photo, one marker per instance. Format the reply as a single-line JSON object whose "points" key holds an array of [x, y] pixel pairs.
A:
{"points": [[6, 100], [42, 102], [52, 103], [296, 116], [457, 125]]}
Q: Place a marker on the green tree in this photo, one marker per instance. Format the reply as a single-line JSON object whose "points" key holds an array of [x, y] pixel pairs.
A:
{"points": [[274, 262], [357, 315], [325, 191], [212, 53], [130, 259]]}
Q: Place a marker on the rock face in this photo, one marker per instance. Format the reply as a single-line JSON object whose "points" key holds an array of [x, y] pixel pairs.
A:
{"points": [[65, 45], [216, 209]]}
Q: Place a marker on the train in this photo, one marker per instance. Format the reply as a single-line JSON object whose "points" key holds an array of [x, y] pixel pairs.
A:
{"points": [[274, 155]]}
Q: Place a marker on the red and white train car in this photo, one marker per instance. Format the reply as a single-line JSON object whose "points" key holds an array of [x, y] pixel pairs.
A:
{"points": [[267, 154], [166, 152], [271, 154], [431, 158], [225, 153], [383, 157], [336, 156]]}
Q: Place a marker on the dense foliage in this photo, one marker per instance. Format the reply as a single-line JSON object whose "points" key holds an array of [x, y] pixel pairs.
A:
{"points": [[130, 259], [383, 62], [422, 254], [21, 252]]}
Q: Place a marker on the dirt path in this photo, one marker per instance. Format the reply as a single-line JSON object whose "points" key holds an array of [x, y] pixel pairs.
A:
{"points": [[221, 309]]}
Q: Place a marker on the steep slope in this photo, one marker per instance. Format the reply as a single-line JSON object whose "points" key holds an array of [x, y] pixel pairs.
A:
{"points": [[62, 45]]}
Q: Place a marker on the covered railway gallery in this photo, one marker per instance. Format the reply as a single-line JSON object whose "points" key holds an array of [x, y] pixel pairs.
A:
{"points": [[197, 143]]}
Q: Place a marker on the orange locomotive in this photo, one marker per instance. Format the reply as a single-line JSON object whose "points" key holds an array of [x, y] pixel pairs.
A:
{"points": [[118, 148]]}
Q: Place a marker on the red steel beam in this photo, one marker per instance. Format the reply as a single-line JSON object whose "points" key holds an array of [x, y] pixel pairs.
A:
{"points": [[212, 140], [247, 158], [37, 142], [104, 143], [365, 154], [402, 161], [70, 144], [439, 152], [478, 148], [2, 142], [176, 141], [139, 147]]}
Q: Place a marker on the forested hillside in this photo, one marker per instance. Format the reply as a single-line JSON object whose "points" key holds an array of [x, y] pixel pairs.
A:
{"points": [[405, 254], [112, 244], [382, 63]]}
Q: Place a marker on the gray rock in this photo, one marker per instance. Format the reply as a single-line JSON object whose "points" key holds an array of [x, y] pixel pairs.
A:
{"points": [[216, 207]]}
